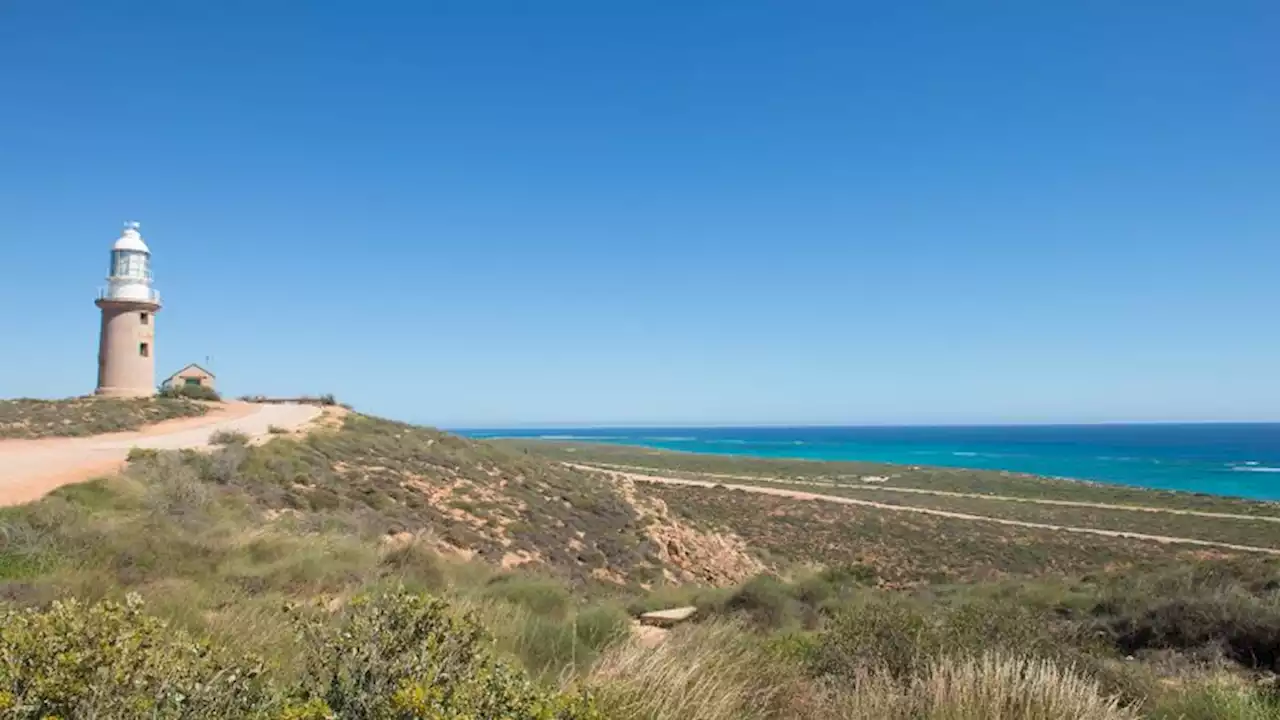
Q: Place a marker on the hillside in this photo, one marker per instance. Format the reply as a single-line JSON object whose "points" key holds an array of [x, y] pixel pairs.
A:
{"points": [[78, 417], [1013, 500], [807, 608]]}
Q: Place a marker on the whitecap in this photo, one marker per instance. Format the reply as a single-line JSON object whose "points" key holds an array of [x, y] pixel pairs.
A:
{"points": [[1257, 468], [582, 437]]}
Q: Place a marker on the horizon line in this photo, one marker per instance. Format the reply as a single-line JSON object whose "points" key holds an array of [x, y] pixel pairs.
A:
{"points": [[768, 426]]}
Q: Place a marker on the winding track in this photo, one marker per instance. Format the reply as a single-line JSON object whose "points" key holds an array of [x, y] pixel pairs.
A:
{"points": [[801, 495], [949, 493], [31, 468]]}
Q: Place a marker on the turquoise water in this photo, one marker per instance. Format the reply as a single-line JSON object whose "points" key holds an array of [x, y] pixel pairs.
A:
{"points": [[1223, 459]]}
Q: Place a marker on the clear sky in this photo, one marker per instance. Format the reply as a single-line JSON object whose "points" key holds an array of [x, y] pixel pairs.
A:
{"points": [[661, 212]]}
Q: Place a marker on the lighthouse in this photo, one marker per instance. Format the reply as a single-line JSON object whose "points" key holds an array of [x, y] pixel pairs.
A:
{"points": [[127, 343]]}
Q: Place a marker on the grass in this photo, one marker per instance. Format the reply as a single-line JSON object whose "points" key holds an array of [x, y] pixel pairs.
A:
{"points": [[710, 672], [382, 477], [1247, 530], [979, 688], [1218, 701], [283, 551], [988, 482], [902, 549], [205, 555], [78, 417]]}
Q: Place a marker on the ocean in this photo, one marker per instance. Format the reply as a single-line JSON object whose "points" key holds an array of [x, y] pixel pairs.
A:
{"points": [[1242, 460]]}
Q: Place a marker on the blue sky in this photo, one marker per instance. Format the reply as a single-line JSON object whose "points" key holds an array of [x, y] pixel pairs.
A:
{"points": [[497, 213]]}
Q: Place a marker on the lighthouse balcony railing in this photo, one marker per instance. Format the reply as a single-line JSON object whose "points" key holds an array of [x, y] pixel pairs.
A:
{"points": [[133, 294]]}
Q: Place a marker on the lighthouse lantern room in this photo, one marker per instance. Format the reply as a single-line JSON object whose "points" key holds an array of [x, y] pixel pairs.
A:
{"points": [[126, 346]]}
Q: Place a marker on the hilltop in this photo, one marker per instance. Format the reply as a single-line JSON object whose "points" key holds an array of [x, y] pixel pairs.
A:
{"points": [[807, 608], [79, 417]]}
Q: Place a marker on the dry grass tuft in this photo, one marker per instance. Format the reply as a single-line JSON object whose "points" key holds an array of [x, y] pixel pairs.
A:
{"points": [[987, 687], [709, 672]]}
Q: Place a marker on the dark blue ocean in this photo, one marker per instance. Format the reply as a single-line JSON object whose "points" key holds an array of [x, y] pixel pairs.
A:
{"points": [[1223, 459]]}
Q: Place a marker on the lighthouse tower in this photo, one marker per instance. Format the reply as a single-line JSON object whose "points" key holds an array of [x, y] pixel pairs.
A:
{"points": [[126, 346]]}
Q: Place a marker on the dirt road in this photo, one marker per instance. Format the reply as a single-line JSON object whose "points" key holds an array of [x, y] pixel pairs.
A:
{"points": [[948, 493], [801, 495], [31, 468]]}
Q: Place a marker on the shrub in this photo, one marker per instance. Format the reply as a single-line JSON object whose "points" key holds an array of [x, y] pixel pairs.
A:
{"points": [[402, 655], [1216, 701], [884, 632], [902, 636], [138, 454], [395, 655], [229, 437], [277, 430], [193, 392], [1200, 608], [766, 600], [111, 661]]}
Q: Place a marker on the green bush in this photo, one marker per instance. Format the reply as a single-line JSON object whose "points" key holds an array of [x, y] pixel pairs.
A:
{"points": [[900, 635], [400, 655], [112, 661], [193, 392], [138, 454], [1217, 702], [1200, 607], [766, 600], [388, 657], [879, 631], [229, 437]]}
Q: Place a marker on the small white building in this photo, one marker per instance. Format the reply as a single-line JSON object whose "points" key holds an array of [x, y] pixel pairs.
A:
{"points": [[190, 376]]}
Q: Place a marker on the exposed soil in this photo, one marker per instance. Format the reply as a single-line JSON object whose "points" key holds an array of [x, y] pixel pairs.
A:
{"points": [[29, 469]]}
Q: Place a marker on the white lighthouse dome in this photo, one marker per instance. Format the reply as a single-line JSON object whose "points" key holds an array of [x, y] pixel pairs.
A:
{"points": [[131, 239], [130, 276]]}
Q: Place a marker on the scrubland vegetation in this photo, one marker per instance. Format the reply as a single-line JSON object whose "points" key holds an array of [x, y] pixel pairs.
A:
{"points": [[385, 571], [193, 392], [850, 476], [29, 419]]}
